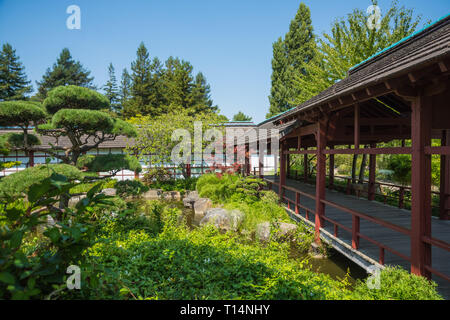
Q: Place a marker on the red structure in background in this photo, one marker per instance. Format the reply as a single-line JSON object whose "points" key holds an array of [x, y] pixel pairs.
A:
{"points": [[401, 93]]}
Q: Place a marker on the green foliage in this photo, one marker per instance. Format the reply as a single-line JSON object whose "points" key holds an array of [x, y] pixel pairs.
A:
{"points": [[156, 89], [351, 42], [181, 185], [230, 186], [398, 284], [20, 113], [401, 166], [199, 265], [109, 163], [155, 133], [111, 89], [14, 84], [74, 97], [15, 185], [37, 269], [65, 71], [130, 188], [289, 56], [240, 116], [16, 140]]}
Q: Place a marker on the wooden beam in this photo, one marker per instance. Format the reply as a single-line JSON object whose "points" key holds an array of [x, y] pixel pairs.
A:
{"points": [[320, 179], [357, 126], [445, 179], [420, 187]]}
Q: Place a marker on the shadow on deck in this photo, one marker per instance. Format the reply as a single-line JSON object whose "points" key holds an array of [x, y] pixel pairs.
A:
{"points": [[368, 253]]}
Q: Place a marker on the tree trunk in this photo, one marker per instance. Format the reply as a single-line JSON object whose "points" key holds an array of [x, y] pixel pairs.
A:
{"points": [[355, 160], [362, 169]]}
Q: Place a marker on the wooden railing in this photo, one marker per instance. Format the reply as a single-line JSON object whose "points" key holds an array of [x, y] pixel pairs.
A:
{"points": [[296, 205]]}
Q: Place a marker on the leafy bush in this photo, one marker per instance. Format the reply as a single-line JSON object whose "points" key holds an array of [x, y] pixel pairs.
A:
{"points": [[130, 188], [181, 185], [109, 163], [228, 186], [17, 184], [156, 175], [203, 264], [398, 284], [38, 269]]}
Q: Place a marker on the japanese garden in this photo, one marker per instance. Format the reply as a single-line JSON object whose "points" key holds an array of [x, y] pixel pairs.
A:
{"points": [[346, 195]]}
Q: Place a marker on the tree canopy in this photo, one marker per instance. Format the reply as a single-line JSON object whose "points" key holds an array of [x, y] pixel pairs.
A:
{"points": [[14, 84], [350, 42], [289, 56], [66, 71], [240, 116]]}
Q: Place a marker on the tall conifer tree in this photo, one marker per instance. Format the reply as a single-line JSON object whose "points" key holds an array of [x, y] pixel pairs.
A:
{"points": [[111, 89], [66, 71], [14, 84]]}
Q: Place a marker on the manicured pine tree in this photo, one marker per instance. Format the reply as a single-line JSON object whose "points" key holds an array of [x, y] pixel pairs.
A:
{"points": [[111, 89], [66, 71], [14, 84]]}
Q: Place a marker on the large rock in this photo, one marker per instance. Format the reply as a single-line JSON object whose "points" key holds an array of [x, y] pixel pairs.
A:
{"points": [[171, 195], [201, 205], [74, 200], [236, 218], [109, 192], [263, 231], [190, 198], [218, 217], [154, 194]]}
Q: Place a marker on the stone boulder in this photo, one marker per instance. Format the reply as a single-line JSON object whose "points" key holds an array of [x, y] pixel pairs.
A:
{"points": [[218, 217], [263, 230], [74, 200], [154, 194], [236, 218], [171, 195], [223, 219], [109, 192], [190, 198], [201, 205]]}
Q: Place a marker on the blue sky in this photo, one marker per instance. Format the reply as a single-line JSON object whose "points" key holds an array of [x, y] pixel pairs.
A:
{"points": [[229, 41]]}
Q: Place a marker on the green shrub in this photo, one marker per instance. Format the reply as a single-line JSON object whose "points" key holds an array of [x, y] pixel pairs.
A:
{"points": [[130, 188], [17, 184], [398, 284], [181, 185], [228, 186]]}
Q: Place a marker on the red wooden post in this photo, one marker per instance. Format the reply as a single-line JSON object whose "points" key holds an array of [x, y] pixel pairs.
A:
{"points": [[288, 166], [355, 231], [372, 173], [282, 171], [381, 256], [247, 159], [401, 198], [31, 159], [445, 179], [297, 202], [420, 186], [357, 131], [320, 178], [188, 170], [305, 165], [136, 175], [331, 170]]}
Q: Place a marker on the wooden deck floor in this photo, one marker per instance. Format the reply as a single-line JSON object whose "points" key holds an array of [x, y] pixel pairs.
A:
{"points": [[390, 238]]}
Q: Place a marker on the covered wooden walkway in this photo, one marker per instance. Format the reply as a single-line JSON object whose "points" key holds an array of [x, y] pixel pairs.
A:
{"points": [[391, 247]]}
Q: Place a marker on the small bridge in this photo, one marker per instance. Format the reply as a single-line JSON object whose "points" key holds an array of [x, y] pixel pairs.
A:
{"points": [[367, 232]]}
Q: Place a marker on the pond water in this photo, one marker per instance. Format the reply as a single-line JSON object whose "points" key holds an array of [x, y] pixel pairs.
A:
{"points": [[335, 264]]}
